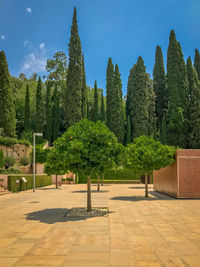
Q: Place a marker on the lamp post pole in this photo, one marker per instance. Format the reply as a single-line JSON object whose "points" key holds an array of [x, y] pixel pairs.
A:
{"points": [[34, 135]]}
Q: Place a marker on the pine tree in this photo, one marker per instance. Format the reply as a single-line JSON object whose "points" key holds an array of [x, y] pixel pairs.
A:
{"points": [[137, 92], [197, 62], [177, 85], [163, 130], [159, 82], [73, 92], [102, 109], [48, 111], [84, 91], [55, 115], [27, 112], [194, 107], [127, 139], [7, 110], [39, 116], [109, 92], [95, 110]]}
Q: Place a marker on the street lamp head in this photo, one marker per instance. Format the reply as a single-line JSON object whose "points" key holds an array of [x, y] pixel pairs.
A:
{"points": [[38, 134]]}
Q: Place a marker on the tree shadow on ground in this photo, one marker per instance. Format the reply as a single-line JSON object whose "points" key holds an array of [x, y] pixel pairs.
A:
{"points": [[137, 187], [92, 191], [54, 188], [56, 215], [156, 196]]}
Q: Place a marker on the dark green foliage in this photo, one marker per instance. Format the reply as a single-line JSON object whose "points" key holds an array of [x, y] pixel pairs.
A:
{"points": [[7, 110], [40, 181], [40, 154], [163, 131], [27, 111], [128, 131], [109, 92], [84, 91], [159, 83], [39, 115], [177, 85], [57, 66], [2, 161], [9, 161], [55, 115], [138, 99], [13, 170], [8, 141], [48, 112], [73, 92], [102, 109], [197, 62], [25, 161], [95, 110], [151, 106]]}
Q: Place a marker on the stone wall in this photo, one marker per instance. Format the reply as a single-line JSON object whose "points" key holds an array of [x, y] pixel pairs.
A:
{"points": [[4, 180], [16, 151]]}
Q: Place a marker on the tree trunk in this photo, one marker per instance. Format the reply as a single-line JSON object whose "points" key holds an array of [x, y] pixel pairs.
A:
{"points": [[56, 181], [102, 180], [89, 204], [98, 184], [146, 185]]}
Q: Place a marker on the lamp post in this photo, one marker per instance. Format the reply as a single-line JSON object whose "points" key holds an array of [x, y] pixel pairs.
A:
{"points": [[34, 135]]}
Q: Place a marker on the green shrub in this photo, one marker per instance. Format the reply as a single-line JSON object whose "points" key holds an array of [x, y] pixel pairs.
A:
{"points": [[8, 141], [40, 181], [9, 161], [3, 171], [25, 161], [40, 154], [13, 170], [2, 161], [121, 174]]}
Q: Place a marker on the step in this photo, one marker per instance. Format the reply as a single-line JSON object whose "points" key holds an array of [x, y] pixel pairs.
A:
{"points": [[5, 192]]}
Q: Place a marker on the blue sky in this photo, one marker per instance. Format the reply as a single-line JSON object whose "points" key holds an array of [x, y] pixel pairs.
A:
{"points": [[32, 31]]}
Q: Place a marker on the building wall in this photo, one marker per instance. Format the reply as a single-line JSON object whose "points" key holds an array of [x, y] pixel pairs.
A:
{"points": [[4, 180], [16, 151]]}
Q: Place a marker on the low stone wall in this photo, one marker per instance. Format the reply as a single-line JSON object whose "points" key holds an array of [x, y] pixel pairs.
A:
{"points": [[4, 180], [16, 151]]}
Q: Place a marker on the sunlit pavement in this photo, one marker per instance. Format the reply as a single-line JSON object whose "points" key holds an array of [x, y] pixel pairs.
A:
{"points": [[160, 231]]}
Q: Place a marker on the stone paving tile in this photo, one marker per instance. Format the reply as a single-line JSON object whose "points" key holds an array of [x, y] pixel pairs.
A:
{"points": [[8, 262]]}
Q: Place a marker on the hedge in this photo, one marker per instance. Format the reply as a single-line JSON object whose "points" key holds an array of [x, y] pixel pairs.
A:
{"points": [[40, 181], [8, 141]]}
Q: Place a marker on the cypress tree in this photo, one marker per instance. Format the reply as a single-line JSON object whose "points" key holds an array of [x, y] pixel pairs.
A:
{"points": [[48, 111], [7, 110], [197, 62], [194, 107], [139, 101], [102, 109], [73, 92], [84, 92], [127, 139], [55, 115], [163, 130], [39, 116], [178, 93], [95, 115], [27, 112], [159, 83], [151, 106], [109, 92]]}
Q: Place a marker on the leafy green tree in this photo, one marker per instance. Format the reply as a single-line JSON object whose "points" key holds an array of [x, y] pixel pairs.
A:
{"points": [[48, 111], [102, 109], [88, 148], [197, 62], [109, 92], [39, 115], [127, 139], [55, 115], [2, 161], [27, 111], [159, 83], [73, 93], [7, 110], [145, 155], [57, 66], [95, 115], [84, 92], [177, 85], [163, 131]]}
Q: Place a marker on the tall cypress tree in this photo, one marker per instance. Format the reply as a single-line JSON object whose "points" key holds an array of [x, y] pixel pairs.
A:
{"points": [[109, 92], [151, 107], [55, 115], [39, 116], [27, 112], [102, 109], [48, 111], [159, 83], [139, 100], [127, 139], [178, 93], [84, 92], [7, 110], [163, 130], [194, 107], [197, 62], [95, 115], [73, 92]]}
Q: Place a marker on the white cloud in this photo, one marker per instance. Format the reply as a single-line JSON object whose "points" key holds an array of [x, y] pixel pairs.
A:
{"points": [[3, 37], [25, 43], [41, 46], [28, 9]]}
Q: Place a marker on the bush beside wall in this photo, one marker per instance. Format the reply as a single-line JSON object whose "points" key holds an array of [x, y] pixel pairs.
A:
{"points": [[8, 141], [40, 181]]}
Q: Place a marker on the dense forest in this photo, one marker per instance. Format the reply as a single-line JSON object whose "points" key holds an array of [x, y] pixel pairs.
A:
{"points": [[166, 106]]}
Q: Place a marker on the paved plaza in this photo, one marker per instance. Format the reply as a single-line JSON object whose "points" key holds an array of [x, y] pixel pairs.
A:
{"points": [[160, 231]]}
